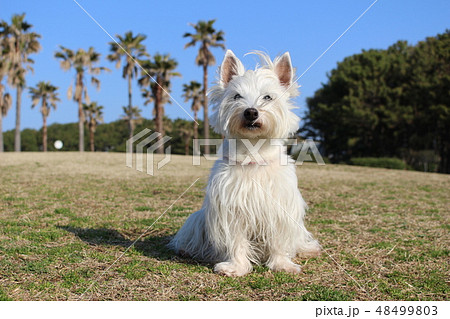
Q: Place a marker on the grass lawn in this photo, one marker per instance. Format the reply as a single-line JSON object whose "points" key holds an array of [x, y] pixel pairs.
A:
{"points": [[65, 218]]}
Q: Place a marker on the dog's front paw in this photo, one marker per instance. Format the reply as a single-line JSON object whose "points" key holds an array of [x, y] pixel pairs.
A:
{"points": [[312, 249], [311, 253], [286, 265], [231, 269], [290, 268]]}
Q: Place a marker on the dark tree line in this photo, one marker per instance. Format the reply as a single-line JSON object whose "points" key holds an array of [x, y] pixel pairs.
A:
{"points": [[109, 137], [386, 103]]}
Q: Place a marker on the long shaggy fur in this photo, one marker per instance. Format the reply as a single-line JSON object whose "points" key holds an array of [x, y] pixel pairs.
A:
{"points": [[251, 213]]}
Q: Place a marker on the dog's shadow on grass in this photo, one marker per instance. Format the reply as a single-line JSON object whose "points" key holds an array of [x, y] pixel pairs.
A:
{"points": [[154, 246]]}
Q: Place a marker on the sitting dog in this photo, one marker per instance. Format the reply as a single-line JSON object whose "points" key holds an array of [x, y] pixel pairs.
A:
{"points": [[253, 211]]}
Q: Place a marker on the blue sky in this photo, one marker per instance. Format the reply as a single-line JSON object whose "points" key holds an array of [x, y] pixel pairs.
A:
{"points": [[304, 28]]}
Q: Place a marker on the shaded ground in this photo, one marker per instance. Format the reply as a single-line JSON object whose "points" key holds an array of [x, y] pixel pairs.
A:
{"points": [[66, 217]]}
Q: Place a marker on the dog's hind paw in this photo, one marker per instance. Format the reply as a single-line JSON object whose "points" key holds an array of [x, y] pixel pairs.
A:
{"points": [[231, 269]]}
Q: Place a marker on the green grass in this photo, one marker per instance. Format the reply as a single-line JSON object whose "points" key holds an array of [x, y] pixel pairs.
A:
{"points": [[134, 270], [318, 292], [65, 218], [3, 296], [144, 209]]}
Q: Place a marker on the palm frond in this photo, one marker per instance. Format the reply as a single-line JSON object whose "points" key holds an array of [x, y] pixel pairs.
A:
{"points": [[86, 96], [78, 92], [70, 92], [208, 37], [95, 82], [34, 101], [6, 104]]}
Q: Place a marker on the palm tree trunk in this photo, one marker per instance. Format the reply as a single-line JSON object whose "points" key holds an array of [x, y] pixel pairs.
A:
{"points": [[44, 134], [80, 127], [159, 116], [1, 132], [17, 131], [131, 126], [130, 120], [158, 124], [186, 146], [161, 119], [195, 125], [129, 150], [205, 106], [130, 104], [91, 137], [79, 83]]}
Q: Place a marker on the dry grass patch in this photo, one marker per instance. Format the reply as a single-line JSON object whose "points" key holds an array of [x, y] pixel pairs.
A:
{"points": [[66, 217]]}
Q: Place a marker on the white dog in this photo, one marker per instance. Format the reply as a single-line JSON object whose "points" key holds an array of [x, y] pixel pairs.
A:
{"points": [[253, 211]]}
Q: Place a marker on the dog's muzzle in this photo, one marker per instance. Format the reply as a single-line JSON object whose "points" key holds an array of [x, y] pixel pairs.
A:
{"points": [[251, 114]]}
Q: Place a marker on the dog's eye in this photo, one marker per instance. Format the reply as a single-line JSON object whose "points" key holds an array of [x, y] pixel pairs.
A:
{"points": [[237, 96], [267, 98]]}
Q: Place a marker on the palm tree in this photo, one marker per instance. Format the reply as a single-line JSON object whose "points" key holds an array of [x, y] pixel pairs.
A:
{"points": [[94, 116], [5, 98], [20, 43], [192, 91], [131, 49], [48, 95], [82, 62], [160, 70], [208, 37], [5, 105], [132, 116]]}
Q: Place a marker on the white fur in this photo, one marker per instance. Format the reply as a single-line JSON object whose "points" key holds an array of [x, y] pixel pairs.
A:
{"points": [[251, 213]]}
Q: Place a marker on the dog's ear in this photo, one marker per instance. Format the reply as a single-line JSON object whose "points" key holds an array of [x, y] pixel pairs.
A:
{"points": [[283, 69], [230, 67]]}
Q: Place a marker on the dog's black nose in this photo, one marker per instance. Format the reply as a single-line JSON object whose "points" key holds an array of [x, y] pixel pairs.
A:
{"points": [[251, 114]]}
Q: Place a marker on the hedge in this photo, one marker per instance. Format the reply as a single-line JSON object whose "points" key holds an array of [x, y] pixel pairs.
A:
{"points": [[384, 162]]}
